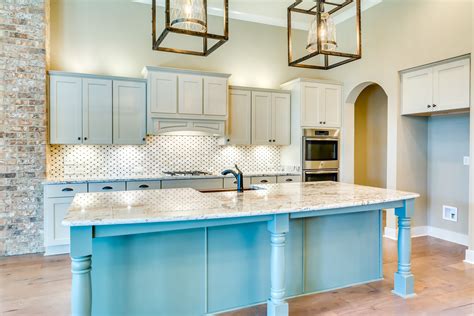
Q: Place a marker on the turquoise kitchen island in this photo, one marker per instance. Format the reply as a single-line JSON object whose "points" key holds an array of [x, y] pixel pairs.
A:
{"points": [[185, 252]]}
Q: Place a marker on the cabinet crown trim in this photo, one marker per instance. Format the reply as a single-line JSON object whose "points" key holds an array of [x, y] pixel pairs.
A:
{"points": [[288, 84], [52, 73], [436, 63], [258, 89], [148, 69]]}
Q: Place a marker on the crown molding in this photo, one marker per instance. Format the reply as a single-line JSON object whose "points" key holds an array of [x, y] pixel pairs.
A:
{"points": [[261, 19]]}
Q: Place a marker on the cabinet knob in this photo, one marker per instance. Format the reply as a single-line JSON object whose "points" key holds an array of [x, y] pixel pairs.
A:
{"points": [[428, 106], [143, 138], [85, 138], [434, 105], [269, 140], [228, 139], [78, 138], [320, 122]]}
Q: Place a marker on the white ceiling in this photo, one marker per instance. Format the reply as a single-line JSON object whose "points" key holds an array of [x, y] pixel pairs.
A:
{"points": [[271, 12]]}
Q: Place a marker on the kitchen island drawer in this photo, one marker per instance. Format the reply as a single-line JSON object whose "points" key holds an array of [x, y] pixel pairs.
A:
{"points": [[64, 190], [199, 184], [231, 183], [143, 185], [288, 179], [106, 186], [263, 180]]}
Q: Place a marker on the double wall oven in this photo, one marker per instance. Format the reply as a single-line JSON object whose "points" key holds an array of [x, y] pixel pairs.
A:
{"points": [[320, 155]]}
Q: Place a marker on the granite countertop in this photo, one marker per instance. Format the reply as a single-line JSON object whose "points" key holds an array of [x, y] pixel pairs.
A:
{"points": [[71, 180], [130, 207]]}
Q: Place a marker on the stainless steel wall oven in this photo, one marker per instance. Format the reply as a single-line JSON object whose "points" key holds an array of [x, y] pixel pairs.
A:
{"points": [[321, 154]]}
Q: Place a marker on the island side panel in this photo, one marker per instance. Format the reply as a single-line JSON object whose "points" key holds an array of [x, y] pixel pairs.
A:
{"points": [[341, 250], [81, 265], [150, 274]]}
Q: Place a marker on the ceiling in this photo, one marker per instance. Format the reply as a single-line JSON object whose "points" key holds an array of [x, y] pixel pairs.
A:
{"points": [[271, 12]]}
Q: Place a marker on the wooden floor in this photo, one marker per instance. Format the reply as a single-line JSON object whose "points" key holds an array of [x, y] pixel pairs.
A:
{"points": [[37, 285]]}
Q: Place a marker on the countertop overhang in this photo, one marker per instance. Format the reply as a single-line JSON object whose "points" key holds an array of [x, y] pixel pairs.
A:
{"points": [[167, 205]]}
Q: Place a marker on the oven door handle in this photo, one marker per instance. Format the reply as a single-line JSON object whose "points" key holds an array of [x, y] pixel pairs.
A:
{"points": [[322, 139], [321, 172]]}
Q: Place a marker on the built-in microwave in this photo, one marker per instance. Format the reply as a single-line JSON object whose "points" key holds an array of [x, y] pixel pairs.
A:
{"points": [[320, 175], [320, 149]]}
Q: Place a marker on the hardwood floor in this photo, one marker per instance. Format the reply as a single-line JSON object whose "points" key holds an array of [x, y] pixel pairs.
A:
{"points": [[37, 285]]}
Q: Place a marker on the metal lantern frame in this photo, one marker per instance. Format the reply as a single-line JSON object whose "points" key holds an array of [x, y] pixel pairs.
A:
{"points": [[206, 50], [315, 11]]}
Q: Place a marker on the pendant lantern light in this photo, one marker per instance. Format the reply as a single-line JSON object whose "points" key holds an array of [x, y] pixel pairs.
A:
{"points": [[189, 17], [321, 39]]}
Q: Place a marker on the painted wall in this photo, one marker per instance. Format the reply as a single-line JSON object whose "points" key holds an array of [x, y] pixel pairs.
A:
{"points": [[114, 37], [370, 157], [448, 178]]}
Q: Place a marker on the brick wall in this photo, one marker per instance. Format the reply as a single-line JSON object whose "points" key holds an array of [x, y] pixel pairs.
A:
{"points": [[22, 124]]}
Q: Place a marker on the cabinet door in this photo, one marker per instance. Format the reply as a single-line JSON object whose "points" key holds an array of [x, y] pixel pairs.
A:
{"points": [[54, 211], [65, 110], [240, 104], [215, 96], [310, 104], [281, 118], [163, 93], [190, 94], [129, 115], [262, 118], [330, 109], [417, 91], [97, 111], [451, 85]]}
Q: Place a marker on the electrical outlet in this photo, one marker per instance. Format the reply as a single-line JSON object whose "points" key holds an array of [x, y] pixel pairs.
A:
{"points": [[450, 213], [466, 160]]}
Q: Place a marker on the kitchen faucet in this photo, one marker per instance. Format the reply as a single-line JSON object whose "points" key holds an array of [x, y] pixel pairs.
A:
{"points": [[239, 176]]}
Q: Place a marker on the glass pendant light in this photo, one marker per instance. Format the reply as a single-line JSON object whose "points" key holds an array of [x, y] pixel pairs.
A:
{"points": [[327, 33], [188, 15]]}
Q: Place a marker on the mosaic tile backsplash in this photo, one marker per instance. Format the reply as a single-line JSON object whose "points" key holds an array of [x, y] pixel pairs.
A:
{"points": [[161, 153]]}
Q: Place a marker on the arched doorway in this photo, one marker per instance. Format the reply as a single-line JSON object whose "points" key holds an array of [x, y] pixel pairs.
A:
{"points": [[370, 137]]}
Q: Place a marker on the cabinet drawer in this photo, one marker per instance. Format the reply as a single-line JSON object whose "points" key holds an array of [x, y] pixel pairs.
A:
{"points": [[64, 190], [263, 180], [231, 183], [143, 185], [200, 184], [106, 186], [288, 179]]}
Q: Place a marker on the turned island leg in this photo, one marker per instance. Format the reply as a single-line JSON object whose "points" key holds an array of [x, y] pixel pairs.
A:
{"points": [[278, 227], [81, 265], [404, 281]]}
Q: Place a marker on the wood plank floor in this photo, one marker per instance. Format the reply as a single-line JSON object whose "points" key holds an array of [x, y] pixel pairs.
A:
{"points": [[37, 285]]}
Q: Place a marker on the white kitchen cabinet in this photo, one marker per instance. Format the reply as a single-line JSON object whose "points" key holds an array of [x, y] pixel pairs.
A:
{"points": [[91, 109], [442, 87], [106, 186], [270, 118], [451, 85], [65, 110], [190, 94], [263, 180], [330, 106], [96, 111], [262, 118], [310, 105], [143, 185], [240, 113], [129, 112], [288, 179], [281, 118], [417, 91], [163, 89], [215, 96]]}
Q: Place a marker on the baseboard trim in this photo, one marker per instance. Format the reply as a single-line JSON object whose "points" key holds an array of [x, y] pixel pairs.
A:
{"points": [[56, 250], [469, 256], [436, 232]]}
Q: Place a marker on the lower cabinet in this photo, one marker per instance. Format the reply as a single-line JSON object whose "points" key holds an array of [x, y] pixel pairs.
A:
{"points": [[106, 186], [287, 179], [263, 180], [143, 185]]}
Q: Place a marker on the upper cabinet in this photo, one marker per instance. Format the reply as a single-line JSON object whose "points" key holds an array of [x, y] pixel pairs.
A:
{"points": [[316, 102], [89, 109], [191, 99], [444, 87], [258, 117]]}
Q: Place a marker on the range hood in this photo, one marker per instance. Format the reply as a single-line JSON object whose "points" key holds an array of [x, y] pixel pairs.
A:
{"points": [[187, 127]]}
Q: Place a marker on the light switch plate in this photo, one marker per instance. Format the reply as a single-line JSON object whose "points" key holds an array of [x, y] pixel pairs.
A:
{"points": [[466, 160]]}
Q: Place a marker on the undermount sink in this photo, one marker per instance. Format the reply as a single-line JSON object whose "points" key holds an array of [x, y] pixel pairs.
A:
{"points": [[229, 190]]}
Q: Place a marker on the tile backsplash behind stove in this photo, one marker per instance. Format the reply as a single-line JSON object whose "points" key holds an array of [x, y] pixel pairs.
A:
{"points": [[161, 153]]}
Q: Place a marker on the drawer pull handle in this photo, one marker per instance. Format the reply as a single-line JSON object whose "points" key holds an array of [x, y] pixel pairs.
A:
{"points": [[107, 188], [67, 190], [235, 182], [289, 180], [144, 186], [263, 181]]}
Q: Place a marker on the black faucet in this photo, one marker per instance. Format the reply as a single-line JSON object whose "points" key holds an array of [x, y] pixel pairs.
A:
{"points": [[239, 176]]}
